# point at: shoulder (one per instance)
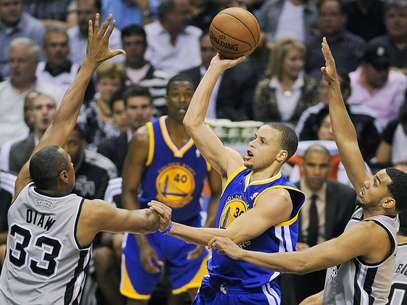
(32, 22)
(383, 39)
(274, 195)
(153, 28)
(263, 84)
(397, 76)
(309, 82)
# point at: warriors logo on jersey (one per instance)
(175, 185)
(234, 207)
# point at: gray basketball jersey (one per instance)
(44, 263)
(398, 292)
(359, 283)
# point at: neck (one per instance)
(38, 133)
(287, 82)
(175, 128)
(374, 211)
(266, 173)
(365, 83)
(173, 33)
(401, 239)
(136, 64)
(23, 86)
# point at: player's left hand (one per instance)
(329, 71)
(196, 252)
(225, 245)
(163, 211)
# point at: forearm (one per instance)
(200, 236)
(199, 104)
(142, 221)
(341, 122)
(293, 262)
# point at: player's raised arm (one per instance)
(221, 158)
(345, 133)
(65, 119)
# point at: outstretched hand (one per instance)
(225, 245)
(163, 211)
(329, 71)
(224, 64)
(98, 40)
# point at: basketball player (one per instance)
(362, 258)
(164, 161)
(398, 291)
(50, 229)
(258, 207)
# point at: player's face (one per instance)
(316, 169)
(139, 111)
(264, 148)
(74, 146)
(179, 96)
(57, 48)
(119, 115)
(293, 63)
(375, 189)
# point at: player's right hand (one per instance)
(98, 49)
(329, 71)
(149, 259)
(163, 211)
(224, 64)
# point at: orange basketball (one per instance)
(234, 32)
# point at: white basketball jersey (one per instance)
(359, 283)
(398, 292)
(44, 263)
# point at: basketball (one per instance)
(234, 32)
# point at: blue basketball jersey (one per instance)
(238, 197)
(173, 176)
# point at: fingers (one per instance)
(90, 30)
(104, 27)
(109, 32)
(97, 21)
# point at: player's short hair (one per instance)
(397, 187)
(135, 91)
(289, 139)
(179, 78)
(134, 30)
(45, 167)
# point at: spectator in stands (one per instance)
(52, 13)
(92, 170)
(87, 9)
(24, 56)
(286, 91)
(377, 87)
(118, 109)
(396, 38)
(233, 92)
(346, 47)
(327, 209)
(173, 45)
(15, 23)
(57, 68)
(43, 111)
(96, 119)
(202, 13)
(308, 126)
(139, 110)
(139, 70)
(365, 18)
(128, 12)
(295, 19)
(393, 147)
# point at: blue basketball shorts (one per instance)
(184, 274)
(214, 292)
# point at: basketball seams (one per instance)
(228, 35)
(254, 39)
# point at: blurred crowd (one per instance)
(43, 43)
